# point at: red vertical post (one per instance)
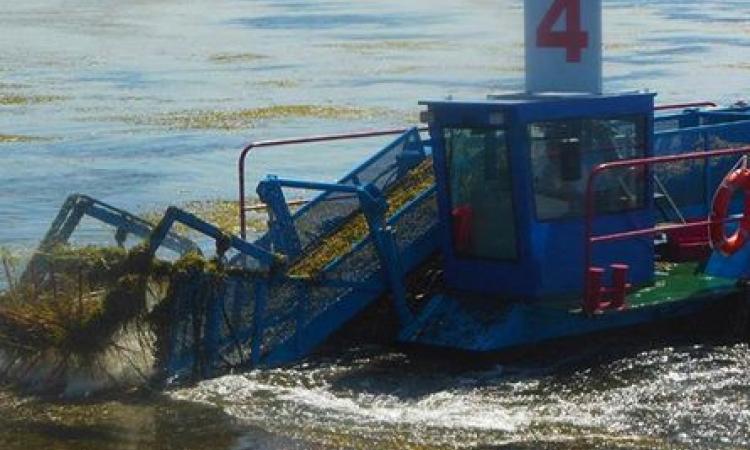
(619, 285)
(593, 290)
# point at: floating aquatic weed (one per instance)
(619, 46)
(15, 138)
(405, 69)
(12, 85)
(738, 66)
(229, 58)
(391, 45)
(244, 118)
(222, 213)
(503, 68)
(25, 100)
(283, 84)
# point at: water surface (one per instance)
(114, 99)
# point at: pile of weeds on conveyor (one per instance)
(353, 230)
(71, 308)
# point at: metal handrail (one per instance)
(685, 106)
(295, 141)
(590, 239)
(349, 136)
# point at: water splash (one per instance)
(666, 398)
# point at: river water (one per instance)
(145, 103)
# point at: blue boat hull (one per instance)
(469, 325)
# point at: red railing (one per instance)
(685, 106)
(296, 141)
(591, 240)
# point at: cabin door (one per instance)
(483, 216)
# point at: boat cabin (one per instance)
(511, 176)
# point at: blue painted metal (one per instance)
(300, 315)
(261, 299)
(694, 130)
(259, 316)
(212, 333)
(507, 320)
(327, 211)
(548, 264)
(278, 319)
(736, 266)
(388, 253)
(413, 145)
(374, 206)
(76, 207)
(281, 225)
(292, 316)
(352, 301)
(175, 215)
(480, 327)
(256, 315)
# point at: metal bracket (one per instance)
(223, 240)
(73, 211)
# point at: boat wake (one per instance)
(667, 398)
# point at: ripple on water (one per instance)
(668, 398)
(327, 21)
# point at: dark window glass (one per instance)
(563, 154)
(481, 193)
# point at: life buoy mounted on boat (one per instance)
(729, 245)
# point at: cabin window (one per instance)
(563, 154)
(483, 218)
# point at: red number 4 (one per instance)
(573, 39)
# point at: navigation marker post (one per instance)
(563, 46)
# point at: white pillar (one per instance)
(563, 46)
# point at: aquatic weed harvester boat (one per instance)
(507, 222)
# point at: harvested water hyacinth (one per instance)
(74, 310)
(71, 308)
(100, 314)
(353, 230)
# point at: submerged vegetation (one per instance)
(244, 118)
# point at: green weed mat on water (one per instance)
(27, 100)
(241, 119)
(222, 213)
(16, 138)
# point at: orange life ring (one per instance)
(729, 245)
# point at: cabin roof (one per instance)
(513, 99)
